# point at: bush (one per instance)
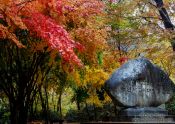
(170, 106)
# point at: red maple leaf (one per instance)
(56, 36)
(123, 60)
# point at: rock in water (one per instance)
(139, 83)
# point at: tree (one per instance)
(166, 19)
(22, 73)
(164, 15)
(37, 17)
(24, 70)
(84, 20)
(44, 20)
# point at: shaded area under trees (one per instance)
(22, 76)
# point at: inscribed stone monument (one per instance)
(139, 83)
(141, 87)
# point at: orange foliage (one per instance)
(81, 19)
(37, 16)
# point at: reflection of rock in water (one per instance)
(139, 83)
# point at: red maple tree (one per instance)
(37, 19)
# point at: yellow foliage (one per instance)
(93, 99)
(95, 77)
(91, 78)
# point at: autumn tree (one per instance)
(24, 66)
(21, 77)
(139, 26)
(89, 29)
(38, 17)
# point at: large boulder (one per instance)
(139, 83)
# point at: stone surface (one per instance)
(146, 114)
(144, 111)
(139, 83)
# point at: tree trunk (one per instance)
(13, 115)
(164, 15)
(95, 112)
(43, 104)
(166, 19)
(59, 107)
(18, 114)
(78, 105)
(46, 103)
(87, 111)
